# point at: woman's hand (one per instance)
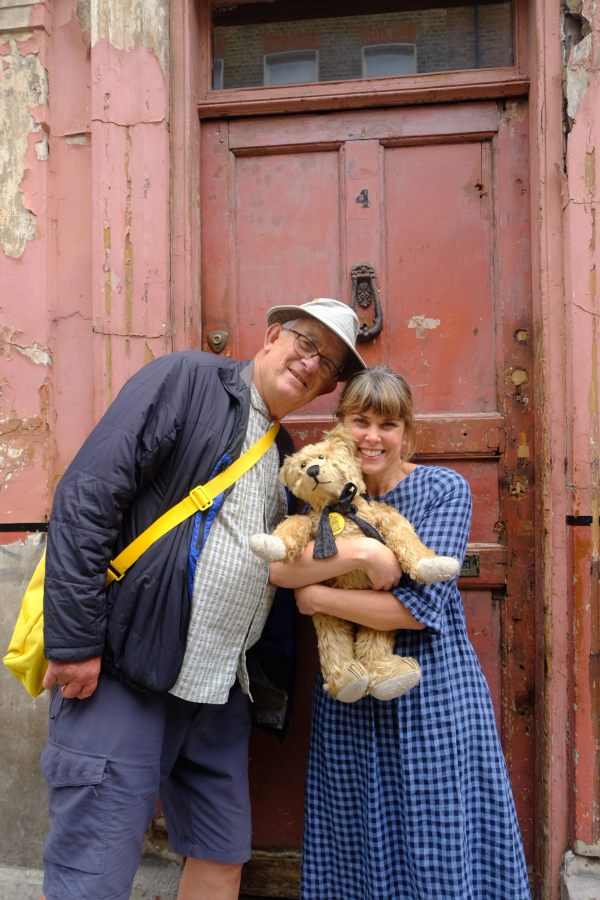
(381, 566)
(307, 598)
(358, 552)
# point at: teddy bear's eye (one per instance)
(321, 456)
(302, 465)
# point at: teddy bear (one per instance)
(354, 660)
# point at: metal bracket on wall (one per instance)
(365, 294)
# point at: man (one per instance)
(147, 694)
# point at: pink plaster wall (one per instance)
(85, 302)
(130, 215)
(582, 263)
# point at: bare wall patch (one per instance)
(24, 86)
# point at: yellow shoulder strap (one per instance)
(199, 498)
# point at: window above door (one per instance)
(263, 51)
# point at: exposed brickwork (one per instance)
(461, 38)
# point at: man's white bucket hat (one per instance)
(336, 316)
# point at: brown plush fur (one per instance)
(354, 661)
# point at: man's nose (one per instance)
(312, 362)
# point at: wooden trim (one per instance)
(474, 84)
(452, 436)
(491, 559)
(433, 87)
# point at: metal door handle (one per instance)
(365, 293)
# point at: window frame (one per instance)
(426, 87)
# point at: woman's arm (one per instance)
(360, 552)
(375, 609)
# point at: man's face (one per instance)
(284, 379)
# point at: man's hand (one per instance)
(76, 679)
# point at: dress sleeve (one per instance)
(121, 455)
(444, 527)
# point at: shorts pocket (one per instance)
(77, 801)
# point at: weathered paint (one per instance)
(24, 86)
(581, 261)
(87, 259)
(130, 227)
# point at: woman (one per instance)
(407, 798)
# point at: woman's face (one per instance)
(380, 442)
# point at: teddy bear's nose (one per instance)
(313, 471)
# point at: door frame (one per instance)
(539, 54)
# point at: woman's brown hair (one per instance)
(384, 392)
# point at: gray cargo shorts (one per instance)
(106, 761)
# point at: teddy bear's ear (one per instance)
(341, 433)
(284, 471)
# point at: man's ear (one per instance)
(272, 333)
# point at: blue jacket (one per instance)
(173, 425)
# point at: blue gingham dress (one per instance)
(410, 798)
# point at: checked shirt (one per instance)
(232, 595)
(409, 799)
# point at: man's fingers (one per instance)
(49, 681)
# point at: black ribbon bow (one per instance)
(324, 540)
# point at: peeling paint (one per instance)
(128, 248)
(523, 448)
(41, 148)
(77, 138)
(577, 84)
(107, 272)
(8, 346)
(24, 86)
(590, 171)
(422, 325)
(139, 23)
(17, 444)
(84, 15)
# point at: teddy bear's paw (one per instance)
(350, 685)
(268, 547)
(437, 568)
(395, 678)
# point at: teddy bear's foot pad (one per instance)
(387, 688)
(437, 568)
(351, 684)
(268, 547)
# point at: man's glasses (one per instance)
(305, 348)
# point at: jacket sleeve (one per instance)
(121, 455)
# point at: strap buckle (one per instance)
(201, 498)
(114, 573)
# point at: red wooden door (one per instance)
(435, 200)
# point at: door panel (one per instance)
(439, 247)
(435, 200)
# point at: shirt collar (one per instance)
(257, 403)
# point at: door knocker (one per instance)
(365, 294)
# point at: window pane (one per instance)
(389, 59)
(250, 36)
(291, 68)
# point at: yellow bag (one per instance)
(25, 656)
